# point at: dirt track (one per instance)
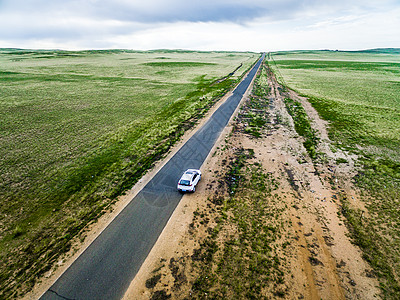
(323, 264)
(331, 264)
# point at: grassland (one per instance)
(79, 128)
(359, 94)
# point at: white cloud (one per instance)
(256, 25)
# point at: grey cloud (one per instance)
(205, 11)
(153, 11)
(98, 19)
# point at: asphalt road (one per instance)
(107, 267)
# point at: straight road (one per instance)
(107, 267)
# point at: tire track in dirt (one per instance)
(314, 259)
(304, 254)
(338, 268)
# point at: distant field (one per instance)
(360, 91)
(79, 128)
(359, 94)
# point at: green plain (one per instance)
(359, 94)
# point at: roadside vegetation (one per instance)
(359, 94)
(254, 113)
(244, 254)
(302, 126)
(80, 128)
(241, 257)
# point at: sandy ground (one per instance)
(324, 263)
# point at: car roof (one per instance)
(187, 176)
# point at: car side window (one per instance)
(194, 177)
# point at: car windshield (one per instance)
(184, 182)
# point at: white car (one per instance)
(188, 181)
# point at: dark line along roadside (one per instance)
(106, 268)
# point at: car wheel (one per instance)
(194, 189)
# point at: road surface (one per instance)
(107, 267)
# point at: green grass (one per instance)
(255, 118)
(80, 128)
(359, 94)
(302, 126)
(344, 85)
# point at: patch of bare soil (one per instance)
(321, 261)
(338, 270)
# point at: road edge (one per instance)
(141, 275)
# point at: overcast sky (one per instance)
(255, 25)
